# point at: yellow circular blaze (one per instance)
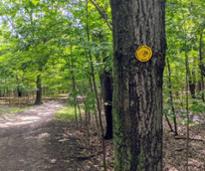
(143, 53)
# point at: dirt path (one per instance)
(28, 120)
(34, 141)
(24, 139)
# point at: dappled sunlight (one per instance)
(42, 136)
(19, 121)
(30, 118)
(36, 114)
(24, 136)
(11, 124)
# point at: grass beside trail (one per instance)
(66, 113)
(5, 110)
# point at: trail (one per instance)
(34, 141)
(24, 139)
(30, 119)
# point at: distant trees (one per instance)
(33, 36)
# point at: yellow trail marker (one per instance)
(143, 53)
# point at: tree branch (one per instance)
(102, 13)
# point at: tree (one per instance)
(137, 98)
(107, 89)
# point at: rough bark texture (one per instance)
(38, 100)
(137, 98)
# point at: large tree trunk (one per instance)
(137, 97)
(106, 79)
(38, 100)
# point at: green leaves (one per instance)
(35, 2)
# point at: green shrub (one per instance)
(66, 114)
(198, 106)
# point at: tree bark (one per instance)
(38, 100)
(106, 79)
(201, 64)
(19, 92)
(192, 83)
(18, 89)
(137, 97)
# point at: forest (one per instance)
(102, 85)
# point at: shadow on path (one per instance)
(34, 141)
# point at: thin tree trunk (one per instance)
(191, 84)
(171, 98)
(168, 122)
(192, 88)
(106, 83)
(187, 109)
(80, 113)
(92, 73)
(74, 88)
(87, 125)
(200, 65)
(95, 111)
(137, 96)
(74, 97)
(99, 110)
(38, 100)
(19, 92)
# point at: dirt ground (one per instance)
(175, 150)
(34, 141)
(24, 139)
